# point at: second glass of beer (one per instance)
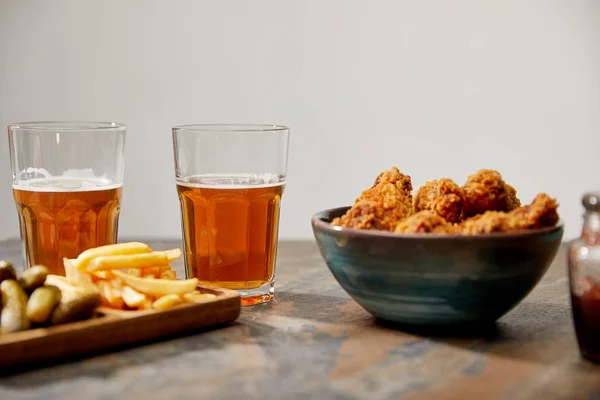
(67, 182)
(230, 179)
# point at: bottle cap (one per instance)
(591, 201)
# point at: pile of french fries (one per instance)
(129, 276)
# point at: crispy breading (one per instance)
(485, 204)
(542, 212)
(443, 197)
(425, 221)
(488, 222)
(381, 206)
(486, 191)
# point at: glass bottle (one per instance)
(584, 278)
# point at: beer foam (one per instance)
(229, 181)
(65, 184)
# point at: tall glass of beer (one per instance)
(230, 179)
(67, 180)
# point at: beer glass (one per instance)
(67, 181)
(230, 179)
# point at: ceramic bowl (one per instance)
(433, 279)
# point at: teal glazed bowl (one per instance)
(435, 279)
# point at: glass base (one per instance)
(260, 295)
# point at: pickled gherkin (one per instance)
(41, 303)
(7, 271)
(76, 309)
(32, 278)
(14, 302)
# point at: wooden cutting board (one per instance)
(115, 328)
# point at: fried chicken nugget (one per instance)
(542, 212)
(425, 221)
(381, 206)
(443, 197)
(488, 222)
(486, 191)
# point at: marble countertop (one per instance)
(315, 342)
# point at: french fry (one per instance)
(106, 275)
(128, 276)
(57, 278)
(168, 274)
(110, 296)
(112, 249)
(104, 292)
(133, 298)
(67, 290)
(197, 297)
(164, 268)
(116, 283)
(146, 304)
(158, 287)
(166, 302)
(118, 297)
(172, 254)
(135, 271)
(62, 283)
(153, 271)
(127, 261)
(77, 278)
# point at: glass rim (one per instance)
(52, 126)
(231, 128)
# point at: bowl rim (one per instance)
(318, 220)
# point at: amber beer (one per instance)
(63, 217)
(230, 232)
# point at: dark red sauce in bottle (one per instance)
(586, 317)
(584, 278)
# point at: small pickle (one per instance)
(32, 278)
(14, 301)
(7, 271)
(76, 309)
(41, 303)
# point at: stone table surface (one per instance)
(315, 342)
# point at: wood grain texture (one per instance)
(315, 342)
(115, 329)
